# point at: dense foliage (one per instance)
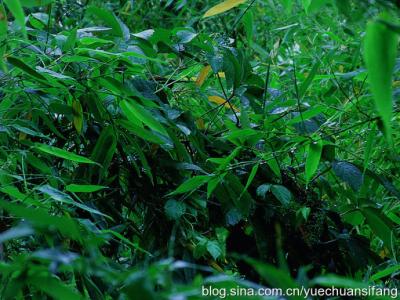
(148, 148)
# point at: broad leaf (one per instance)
(282, 194)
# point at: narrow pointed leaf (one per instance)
(136, 112)
(223, 7)
(61, 153)
(16, 9)
(380, 49)
(313, 158)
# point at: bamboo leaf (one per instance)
(16, 9)
(35, 3)
(221, 101)
(203, 75)
(24, 67)
(191, 184)
(313, 158)
(84, 188)
(78, 115)
(380, 49)
(61, 153)
(136, 112)
(223, 7)
(380, 225)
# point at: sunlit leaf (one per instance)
(221, 101)
(223, 7)
(203, 75)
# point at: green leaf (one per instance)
(349, 173)
(142, 132)
(15, 233)
(24, 67)
(41, 218)
(3, 35)
(223, 7)
(250, 179)
(273, 164)
(125, 240)
(214, 249)
(71, 40)
(305, 85)
(315, 5)
(380, 225)
(369, 146)
(337, 281)
(262, 190)
(61, 153)
(66, 199)
(52, 73)
(306, 4)
(227, 160)
(54, 288)
(380, 49)
(34, 3)
(84, 188)
(315, 111)
(191, 184)
(313, 158)
(212, 185)
(384, 273)
(77, 112)
(174, 209)
(16, 9)
(136, 112)
(282, 194)
(108, 18)
(287, 4)
(104, 151)
(275, 277)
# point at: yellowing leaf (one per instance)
(23, 135)
(78, 115)
(396, 84)
(200, 124)
(203, 75)
(223, 7)
(221, 101)
(384, 253)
